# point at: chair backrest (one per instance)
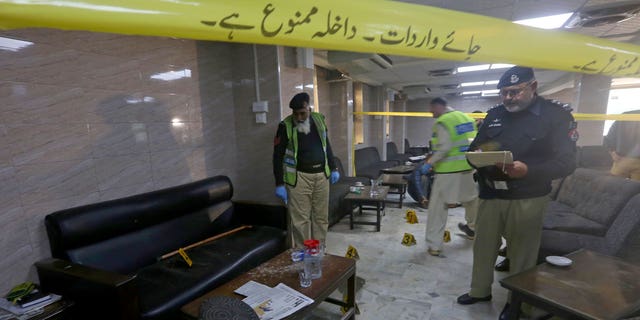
(596, 195)
(595, 157)
(366, 156)
(407, 146)
(392, 150)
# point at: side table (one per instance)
(59, 310)
(595, 286)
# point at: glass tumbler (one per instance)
(305, 278)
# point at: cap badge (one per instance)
(514, 78)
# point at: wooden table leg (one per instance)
(514, 308)
(351, 295)
(378, 215)
(351, 215)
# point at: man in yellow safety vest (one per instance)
(302, 166)
(452, 135)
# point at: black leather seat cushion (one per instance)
(170, 283)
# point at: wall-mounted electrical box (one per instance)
(261, 106)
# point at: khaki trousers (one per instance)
(308, 208)
(448, 189)
(520, 222)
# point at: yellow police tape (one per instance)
(577, 116)
(358, 25)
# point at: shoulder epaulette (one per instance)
(567, 107)
(497, 105)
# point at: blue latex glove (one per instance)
(335, 176)
(425, 169)
(281, 192)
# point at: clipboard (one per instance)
(489, 158)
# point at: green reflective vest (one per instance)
(462, 130)
(291, 153)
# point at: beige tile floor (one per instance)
(404, 282)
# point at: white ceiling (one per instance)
(411, 75)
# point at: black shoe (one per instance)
(503, 266)
(467, 231)
(467, 299)
(505, 312)
(503, 252)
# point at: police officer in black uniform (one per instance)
(541, 135)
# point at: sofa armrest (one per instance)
(114, 295)
(264, 214)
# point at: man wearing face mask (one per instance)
(303, 165)
(541, 135)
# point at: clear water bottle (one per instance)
(313, 258)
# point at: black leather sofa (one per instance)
(368, 163)
(105, 255)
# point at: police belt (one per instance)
(310, 168)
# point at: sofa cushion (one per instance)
(170, 283)
(595, 195)
(561, 217)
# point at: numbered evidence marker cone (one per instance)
(408, 239)
(447, 236)
(352, 253)
(412, 218)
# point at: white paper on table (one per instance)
(252, 287)
(489, 158)
(276, 303)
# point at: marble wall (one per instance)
(89, 117)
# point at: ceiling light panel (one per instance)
(548, 22)
(474, 68)
(472, 84)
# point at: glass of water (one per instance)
(374, 188)
(305, 278)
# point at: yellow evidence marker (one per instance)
(412, 218)
(352, 252)
(408, 239)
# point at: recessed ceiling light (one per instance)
(471, 92)
(490, 93)
(474, 68)
(13, 44)
(472, 84)
(625, 82)
(501, 66)
(490, 82)
(549, 22)
(172, 75)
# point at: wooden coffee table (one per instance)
(364, 201)
(595, 286)
(397, 185)
(336, 271)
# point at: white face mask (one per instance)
(304, 127)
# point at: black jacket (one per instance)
(543, 137)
